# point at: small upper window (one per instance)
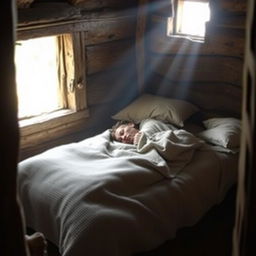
(190, 18)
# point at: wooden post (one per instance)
(245, 226)
(12, 236)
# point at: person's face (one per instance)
(125, 133)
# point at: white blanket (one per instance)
(98, 197)
(176, 147)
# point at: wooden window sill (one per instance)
(53, 126)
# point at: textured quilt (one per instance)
(99, 197)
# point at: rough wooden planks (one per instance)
(215, 65)
(189, 68)
(109, 56)
(96, 4)
(210, 97)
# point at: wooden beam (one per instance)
(227, 41)
(211, 97)
(98, 27)
(227, 9)
(111, 85)
(220, 40)
(12, 231)
(110, 29)
(189, 68)
(112, 55)
(45, 12)
(162, 8)
(232, 6)
(52, 129)
(96, 4)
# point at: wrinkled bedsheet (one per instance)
(176, 146)
(99, 197)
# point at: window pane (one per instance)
(193, 18)
(36, 76)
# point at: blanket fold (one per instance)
(102, 197)
(176, 147)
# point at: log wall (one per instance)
(175, 67)
(109, 37)
(214, 66)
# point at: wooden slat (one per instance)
(211, 97)
(199, 68)
(52, 129)
(110, 29)
(41, 13)
(41, 147)
(226, 11)
(104, 87)
(163, 8)
(24, 3)
(77, 133)
(218, 45)
(99, 27)
(52, 120)
(231, 6)
(229, 21)
(109, 56)
(225, 41)
(95, 4)
(47, 12)
(98, 121)
(110, 86)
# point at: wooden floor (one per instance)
(210, 237)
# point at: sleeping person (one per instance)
(130, 132)
(159, 140)
(126, 132)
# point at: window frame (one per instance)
(45, 128)
(174, 21)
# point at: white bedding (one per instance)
(98, 197)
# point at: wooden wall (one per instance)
(109, 32)
(208, 74)
(186, 69)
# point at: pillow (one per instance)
(156, 107)
(223, 132)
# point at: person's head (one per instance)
(124, 131)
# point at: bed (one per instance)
(102, 197)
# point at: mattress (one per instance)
(99, 197)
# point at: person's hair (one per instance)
(119, 123)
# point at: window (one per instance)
(50, 78)
(190, 19)
(37, 79)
